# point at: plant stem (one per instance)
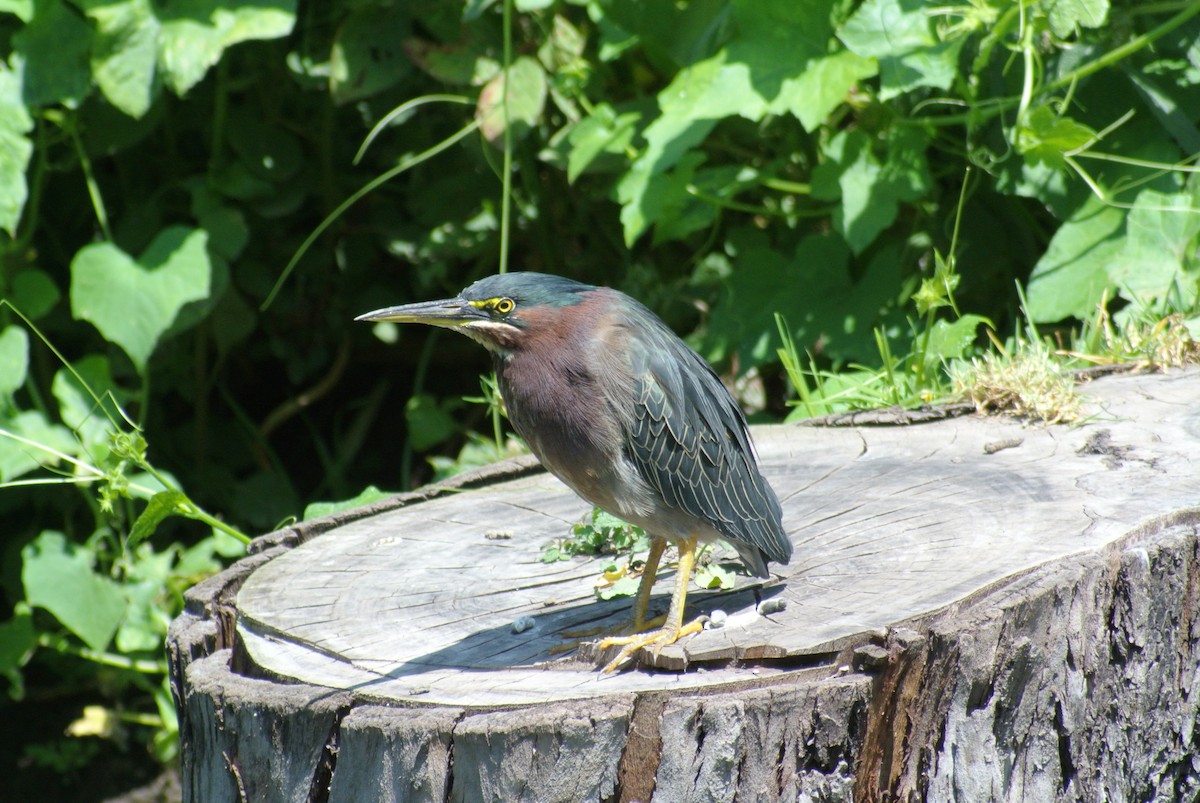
(1001, 105)
(506, 178)
(59, 644)
(93, 188)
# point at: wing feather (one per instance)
(690, 442)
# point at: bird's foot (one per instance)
(655, 638)
(578, 638)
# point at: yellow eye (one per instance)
(504, 306)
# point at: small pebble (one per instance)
(716, 620)
(770, 606)
(522, 624)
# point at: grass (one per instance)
(1031, 376)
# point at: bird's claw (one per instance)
(655, 638)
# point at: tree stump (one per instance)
(976, 610)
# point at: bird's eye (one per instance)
(504, 306)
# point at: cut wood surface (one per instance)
(955, 585)
(426, 602)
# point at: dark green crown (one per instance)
(529, 289)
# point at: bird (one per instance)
(613, 403)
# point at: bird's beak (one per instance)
(451, 313)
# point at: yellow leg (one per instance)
(640, 604)
(649, 571)
(673, 628)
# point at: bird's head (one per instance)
(499, 311)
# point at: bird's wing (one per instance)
(690, 442)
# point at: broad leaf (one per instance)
(603, 131)
(1067, 16)
(765, 282)
(161, 505)
(1044, 136)
(147, 617)
(133, 302)
(1071, 277)
(34, 293)
(60, 577)
(365, 497)
(526, 99)
(79, 411)
(1160, 247)
(15, 150)
(871, 191)
(780, 63)
(902, 36)
(949, 340)
(51, 55)
(125, 53)
(196, 32)
(17, 640)
(17, 458)
(14, 359)
(367, 53)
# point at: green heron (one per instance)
(620, 409)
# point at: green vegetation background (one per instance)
(834, 200)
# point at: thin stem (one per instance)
(401, 109)
(1001, 105)
(93, 187)
(59, 644)
(506, 177)
(371, 185)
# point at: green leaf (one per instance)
(949, 340)
(667, 200)
(14, 359)
(1067, 16)
(603, 131)
(367, 54)
(764, 282)
(902, 36)
(195, 33)
(79, 411)
(34, 293)
(779, 64)
(22, 8)
(133, 302)
(625, 587)
(125, 53)
(714, 575)
(51, 55)
(59, 577)
(1160, 247)
(365, 497)
(682, 33)
(18, 458)
(1044, 136)
(428, 422)
(17, 640)
(871, 191)
(161, 505)
(15, 149)
(526, 99)
(1071, 277)
(147, 614)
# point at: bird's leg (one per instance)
(673, 628)
(640, 603)
(649, 572)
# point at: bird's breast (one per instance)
(562, 413)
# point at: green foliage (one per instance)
(600, 534)
(865, 182)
